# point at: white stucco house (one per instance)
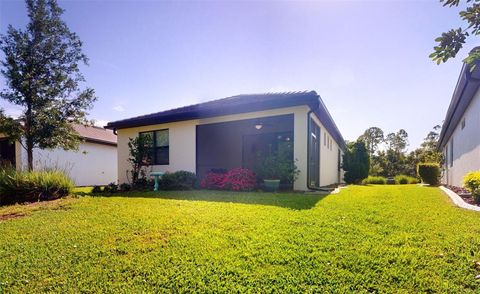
(229, 133)
(95, 162)
(460, 136)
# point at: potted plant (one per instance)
(275, 168)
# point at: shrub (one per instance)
(374, 180)
(429, 173)
(237, 179)
(471, 181)
(213, 180)
(111, 188)
(33, 186)
(125, 187)
(404, 179)
(356, 163)
(97, 189)
(179, 180)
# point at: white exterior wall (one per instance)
(329, 174)
(466, 146)
(182, 140)
(92, 164)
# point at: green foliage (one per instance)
(179, 180)
(139, 156)
(196, 241)
(372, 137)
(371, 180)
(429, 173)
(277, 166)
(356, 163)
(41, 68)
(471, 181)
(450, 42)
(32, 186)
(97, 189)
(111, 188)
(404, 179)
(124, 187)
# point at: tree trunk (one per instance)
(30, 156)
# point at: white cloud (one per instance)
(100, 123)
(119, 108)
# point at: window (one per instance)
(159, 145)
(463, 123)
(451, 152)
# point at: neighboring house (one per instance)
(94, 163)
(231, 132)
(460, 137)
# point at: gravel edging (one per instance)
(458, 201)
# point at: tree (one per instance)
(356, 162)
(397, 141)
(450, 42)
(140, 154)
(372, 137)
(42, 75)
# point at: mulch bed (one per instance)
(11, 215)
(462, 192)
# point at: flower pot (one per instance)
(271, 185)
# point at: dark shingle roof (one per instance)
(234, 105)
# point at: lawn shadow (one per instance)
(291, 200)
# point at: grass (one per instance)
(366, 239)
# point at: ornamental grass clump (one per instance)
(404, 179)
(372, 180)
(32, 186)
(471, 182)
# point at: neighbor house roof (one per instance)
(465, 90)
(95, 134)
(234, 105)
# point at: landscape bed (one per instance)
(365, 239)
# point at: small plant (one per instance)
(125, 187)
(372, 180)
(179, 180)
(97, 189)
(429, 173)
(277, 166)
(404, 179)
(471, 182)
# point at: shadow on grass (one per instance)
(291, 200)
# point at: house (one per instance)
(231, 132)
(94, 163)
(460, 137)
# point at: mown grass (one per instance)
(395, 239)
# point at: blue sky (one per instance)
(368, 60)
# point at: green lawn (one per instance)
(365, 239)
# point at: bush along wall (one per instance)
(471, 182)
(32, 186)
(429, 173)
(237, 179)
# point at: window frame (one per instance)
(155, 147)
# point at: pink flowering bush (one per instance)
(237, 179)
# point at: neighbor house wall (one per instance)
(182, 140)
(92, 164)
(329, 173)
(466, 146)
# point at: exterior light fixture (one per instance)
(258, 126)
